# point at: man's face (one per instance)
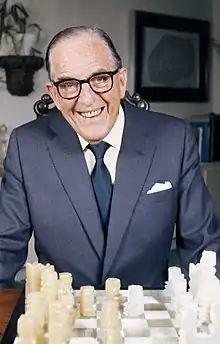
(91, 115)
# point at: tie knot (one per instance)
(99, 149)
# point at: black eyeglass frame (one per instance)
(86, 81)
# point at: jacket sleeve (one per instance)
(15, 227)
(198, 228)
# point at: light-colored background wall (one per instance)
(115, 17)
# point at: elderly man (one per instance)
(101, 183)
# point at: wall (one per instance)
(115, 17)
(216, 59)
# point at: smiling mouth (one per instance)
(91, 114)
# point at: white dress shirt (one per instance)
(114, 138)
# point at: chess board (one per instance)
(155, 326)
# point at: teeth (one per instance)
(90, 114)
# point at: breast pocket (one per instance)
(158, 197)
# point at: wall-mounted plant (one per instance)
(18, 39)
(18, 36)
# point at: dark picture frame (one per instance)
(171, 58)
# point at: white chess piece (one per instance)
(135, 305)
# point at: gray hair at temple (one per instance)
(78, 30)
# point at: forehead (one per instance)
(80, 56)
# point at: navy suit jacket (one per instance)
(46, 189)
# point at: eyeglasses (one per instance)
(100, 83)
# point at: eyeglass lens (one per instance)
(98, 83)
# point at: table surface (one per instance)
(8, 300)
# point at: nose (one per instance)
(87, 96)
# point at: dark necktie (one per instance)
(101, 181)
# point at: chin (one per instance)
(94, 140)
(98, 136)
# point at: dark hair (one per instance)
(76, 30)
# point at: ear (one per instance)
(54, 95)
(123, 81)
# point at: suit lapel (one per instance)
(135, 158)
(69, 162)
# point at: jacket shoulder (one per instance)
(35, 128)
(157, 121)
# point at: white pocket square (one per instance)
(157, 187)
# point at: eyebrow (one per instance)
(64, 78)
(67, 77)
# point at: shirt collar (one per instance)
(114, 137)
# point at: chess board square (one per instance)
(135, 340)
(85, 323)
(152, 315)
(152, 323)
(162, 332)
(154, 307)
(133, 322)
(135, 327)
(84, 333)
(166, 340)
(84, 341)
(150, 300)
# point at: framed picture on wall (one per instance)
(171, 58)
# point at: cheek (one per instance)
(67, 106)
(113, 98)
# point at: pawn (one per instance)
(135, 304)
(87, 301)
(112, 287)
